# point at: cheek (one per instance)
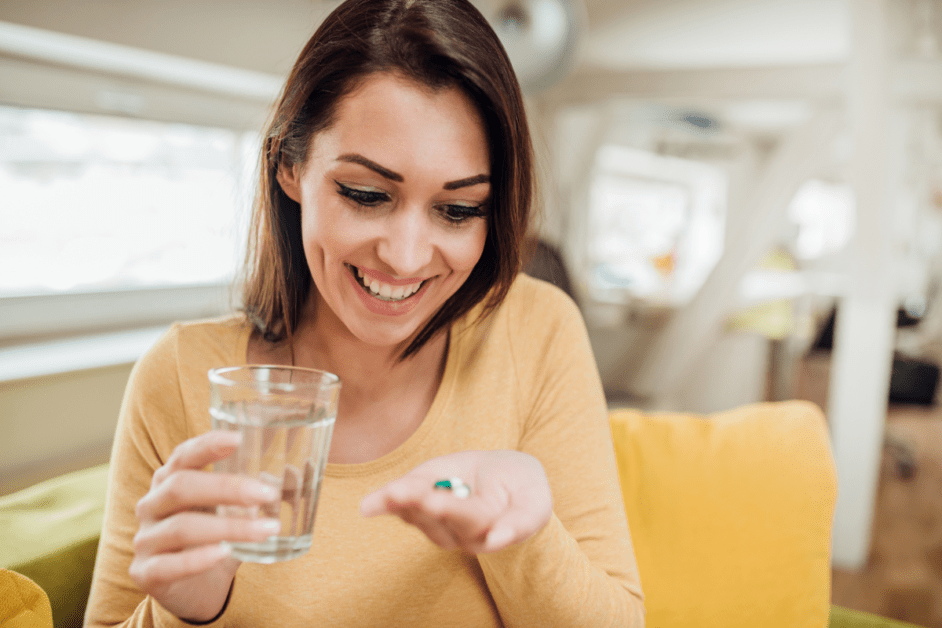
(468, 252)
(324, 229)
(311, 235)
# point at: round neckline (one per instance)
(413, 444)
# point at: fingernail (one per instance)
(228, 440)
(268, 526)
(221, 550)
(261, 492)
(499, 536)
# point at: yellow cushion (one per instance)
(730, 514)
(22, 603)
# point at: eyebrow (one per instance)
(372, 165)
(386, 173)
(463, 183)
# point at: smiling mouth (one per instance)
(383, 291)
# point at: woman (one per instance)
(394, 196)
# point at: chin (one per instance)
(374, 336)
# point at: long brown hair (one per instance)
(440, 44)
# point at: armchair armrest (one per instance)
(50, 535)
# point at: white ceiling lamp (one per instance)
(540, 36)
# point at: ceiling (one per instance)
(619, 36)
(715, 33)
(266, 36)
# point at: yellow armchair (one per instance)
(23, 604)
(730, 514)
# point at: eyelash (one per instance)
(362, 197)
(454, 214)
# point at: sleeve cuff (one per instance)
(165, 619)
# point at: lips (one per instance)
(386, 297)
(385, 291)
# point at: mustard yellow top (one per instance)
(523, 379)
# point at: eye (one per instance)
(458, 214)
(366, 198)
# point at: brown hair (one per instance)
(439, 44)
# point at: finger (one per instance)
(189, 529)
(374, 504)
(501, 536)
(188, 490)
(402, 492)
(204, 449)
(198, 452)
(468, 520)
(516, 525)
(448, 520)
(436, 531)
(161, 569)
(465, 522)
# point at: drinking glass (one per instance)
(286, 418)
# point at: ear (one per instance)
(289, 180)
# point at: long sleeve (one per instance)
(522, 379)
(151, 423)
(580, 570)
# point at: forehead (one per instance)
(394, 120)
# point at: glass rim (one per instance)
(328, 380)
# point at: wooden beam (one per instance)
(910, 81)
(821, 83)
(575, 168)
(24, 83)
(26, 42)
(866, 322)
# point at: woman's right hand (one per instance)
(178, 558)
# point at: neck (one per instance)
(322, 341)
(382, 400)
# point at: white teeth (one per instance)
(388, 292)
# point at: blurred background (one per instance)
(743, 196)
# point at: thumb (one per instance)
(374, 504)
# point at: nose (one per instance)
(407, 246)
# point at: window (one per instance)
(120, 208)
(825, 216)
(656, 226)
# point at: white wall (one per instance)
(51, 425)
(54, 424)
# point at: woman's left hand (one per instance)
(510, 500)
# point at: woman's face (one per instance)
(393, 203)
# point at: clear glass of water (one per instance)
(286, 418)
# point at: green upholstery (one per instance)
(50, 535)
(846, 618)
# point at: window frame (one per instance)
(47, 70)
(25, 318)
